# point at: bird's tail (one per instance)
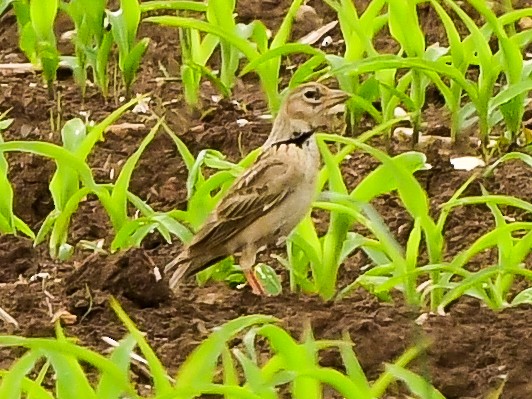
(186, 265)
(181, 265)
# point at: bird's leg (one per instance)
(247, 261)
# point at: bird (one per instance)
(270, 198)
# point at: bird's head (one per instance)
(305, 110)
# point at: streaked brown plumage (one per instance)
(271, 197)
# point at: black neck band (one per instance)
(298, 138)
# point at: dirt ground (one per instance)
(473, 347)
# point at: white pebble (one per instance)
(467, 163)
(242, 122)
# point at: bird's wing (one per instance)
(252, 195)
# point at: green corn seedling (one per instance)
(124, 25)
(398, 268)
(196, 51)
(518, 80)
(491, 107)
(37, 38)
(490, 66)
(92, 41)
(432, 65)
(332, 249)
(358, 33)
(264, 58)
(492, 284)
(382, 83)
(68, 187)
(221, 13)
(412, 41)
(133, 231)
(9, 222)
(73, 181)
(292, 364)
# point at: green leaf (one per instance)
(229, 370)
(173, 5)
(382, 180)
(132, 61)
(404, 26)
(101, 63)
(276, 53)
(132, 233)
(241, 44)
(62, 349)
(42, 14)
(388, 61)
(120, 189)
(269, 279)
(96, 133)
(28, 43)
(523, 297)
(295, 357)
(198, 369)
(160, 379)
(254, 378)
(121, 357)
(11, 383)
(71, 381)
(353, 368)
(131, 13)
(415, 383)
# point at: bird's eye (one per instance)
(312, 94)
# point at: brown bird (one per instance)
(273, 196)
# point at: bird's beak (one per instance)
(335, 102)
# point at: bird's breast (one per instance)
(305, 158)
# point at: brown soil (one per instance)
(472, 346)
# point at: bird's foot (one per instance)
(254, 283)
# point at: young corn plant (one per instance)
(490, 106)
(434, 66)
(195, 54)
(381, 82)
(263, 58)
(492, 284)
(290, 364)
(322, 256)
(73, 181)
(358, 32)
(438, 283)
(124, 26)
(92, 41)
(196, 51)
(9, 222)
(412, 40)
(36, 36)
(395, 266)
